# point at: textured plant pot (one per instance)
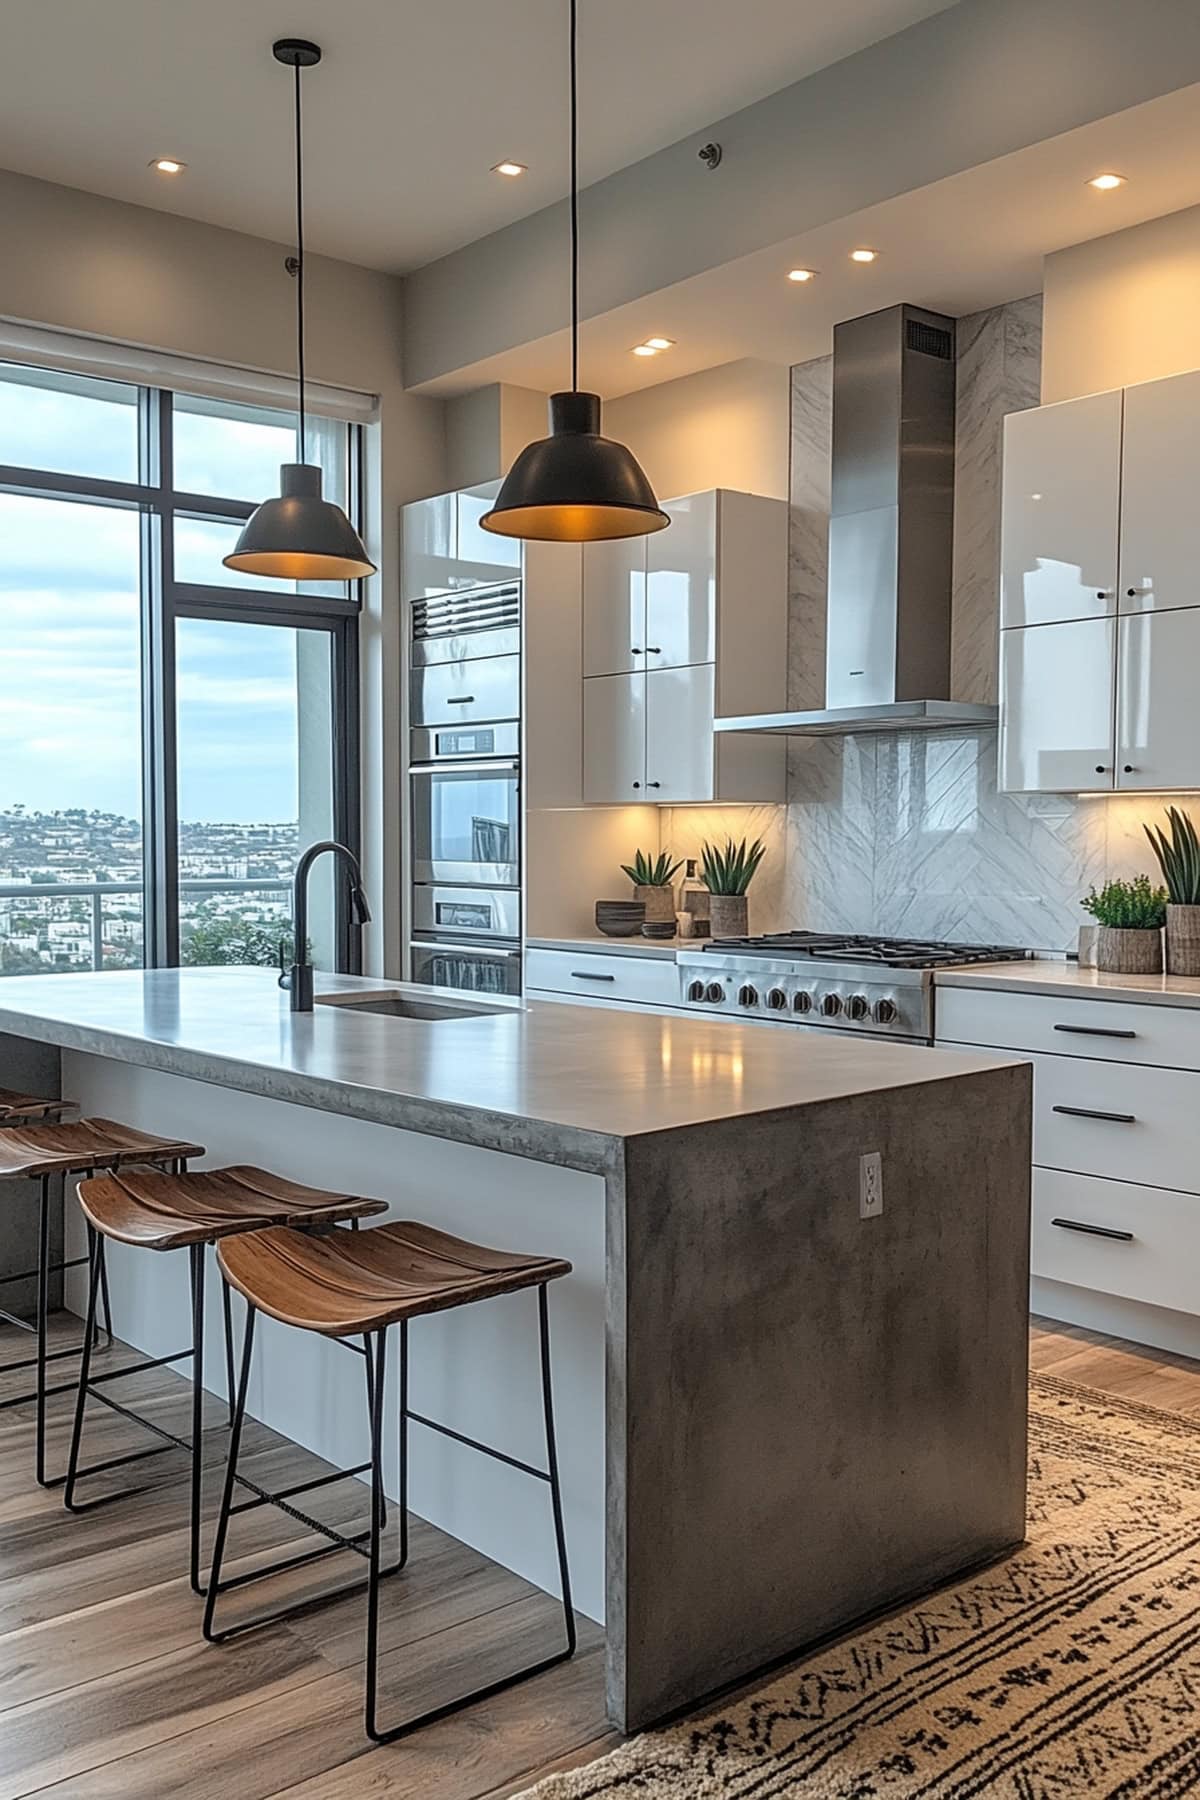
(1121, 952)
(729, 915)
(659, 903)
(1183, 940)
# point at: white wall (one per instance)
(1122, 308)
(85, 264)
(724, 427)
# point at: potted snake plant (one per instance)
(727, 874)
(1179, 859)
(652, 879)
(1131, 915)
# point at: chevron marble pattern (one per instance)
(907, 832)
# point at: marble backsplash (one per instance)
(906, 832)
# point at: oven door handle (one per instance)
(452, 947)
(467, 764)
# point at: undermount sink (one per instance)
(391, 1005)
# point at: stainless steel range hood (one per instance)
(891, 533)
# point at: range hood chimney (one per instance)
(891, 534)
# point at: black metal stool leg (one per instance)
(95, 1281)
(230, 1376)
(403, 1442)
(377, 1497)
(196, 1255)
(551, 1475)
(43, 1307)
(235, 1441)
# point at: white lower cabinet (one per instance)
(1116, 1179)
(591, 977)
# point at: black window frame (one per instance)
(164, 601)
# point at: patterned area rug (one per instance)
(1072, 1668)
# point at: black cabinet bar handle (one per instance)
(1124, 1237)
(582, 975)
(459, 699)
(1087, 1112)
(1095, 1031)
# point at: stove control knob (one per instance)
(777, 1000)
(714, 992)
(831, 1005)
(858, 1006)
(886, 1012)
(802, 1002)
(748, 996)
(695, 990)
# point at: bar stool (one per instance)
(154, 1210)
(18, 1108)
(40, 1152)
(344, 1286)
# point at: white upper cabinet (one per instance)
(1160, 488)
(1056, 707)
(614, 607)
(1062, 490)
(443, 547)
(614, 740)
(681, 585)
(1158, 720)
(679, 734)
(679, 628)
(483, 557)
(428, 540)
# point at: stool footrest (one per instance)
(460, 1437)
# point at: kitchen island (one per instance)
(782, 1405)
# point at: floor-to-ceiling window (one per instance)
(171, 734)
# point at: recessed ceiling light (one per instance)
(509, 168)
(1106, 181)
(644, 350)
(168, 165)
(863, 255)
(802, 274)
(660, 343)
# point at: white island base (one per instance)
(475, 1369)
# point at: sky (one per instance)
(69, 620)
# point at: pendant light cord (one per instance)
(300, 259)
(574, 202)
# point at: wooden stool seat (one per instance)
(155, 1210)
(347, 1284)
(81, 1145)
(15, 1105)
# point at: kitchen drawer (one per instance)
(1148, 1137)
(637, 1006)
(575, 972)
(1158, 1264)
(1109, 1030)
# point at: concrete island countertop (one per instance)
(550, 1081)
(1061, 978)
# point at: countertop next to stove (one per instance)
(663, 949)
(1059, 979)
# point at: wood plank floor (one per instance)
(107, 1690)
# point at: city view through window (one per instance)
(254, 702)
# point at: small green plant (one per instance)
(1128, 905)
(1178, 858)
(731, 870)
(658, 871)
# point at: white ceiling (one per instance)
(414, 101)
(956, 246)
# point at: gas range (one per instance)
(875, 985)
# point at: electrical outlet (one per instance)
(870, 1185)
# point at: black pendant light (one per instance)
(575, 486)
(299, 536)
